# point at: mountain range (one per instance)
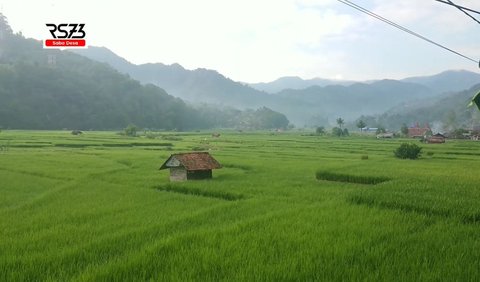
(447, 81)
(322, 101)
(297, 83)
(97, 89)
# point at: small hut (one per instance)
(190, 166)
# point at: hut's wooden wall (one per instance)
(178, 174)
(199, 174)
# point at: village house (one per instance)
(418, 132)
(190, 166)
(435, 139)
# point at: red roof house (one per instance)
(417, 131)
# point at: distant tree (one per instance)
(404, 129)
(370, 121)
(320, 130)
(361, 124)
(337, 131)
(381, 129)
(459, 133)
(131, 130)
(340, 122)
(4, 26)
(345, 132)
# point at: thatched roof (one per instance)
(192, 161)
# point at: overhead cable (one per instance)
(404, 29)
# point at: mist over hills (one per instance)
(308, 106)
(297, 83)
(96, 89)
(444, 113)
(198, 86)
(447, 81)
(52, 89)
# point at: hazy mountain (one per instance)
(200, 85)
(448, 81)
(53, 89)
(295, 82)
(359, 98)
(303, 106)
(444, 112)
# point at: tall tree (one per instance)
(340, 122)
(5, 28)
(361, 124)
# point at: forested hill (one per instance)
(52, 89)
(445, 113)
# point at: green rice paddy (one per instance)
(284, 207)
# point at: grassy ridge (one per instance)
(198, 192)
(341, 177)
(89, 213)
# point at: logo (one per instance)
(66, 35)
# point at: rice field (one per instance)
(285, 206)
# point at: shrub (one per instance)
(320, 130)
(131, 130)
(364, 157)
(150, 135)
(337, 131)
(430, 154)
(408, 151)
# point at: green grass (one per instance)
(96, 208)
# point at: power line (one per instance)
(448, 2)
(462, 9)
(378, 17)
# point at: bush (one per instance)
(364, 157)
(408, 151)
(430, 154)
(320, 130)
(337, 131)
(131, 130)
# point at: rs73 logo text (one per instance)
(66, 30)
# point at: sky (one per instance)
(262, 40)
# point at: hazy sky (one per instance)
(261, 40)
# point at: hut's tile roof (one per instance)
(194, 161)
